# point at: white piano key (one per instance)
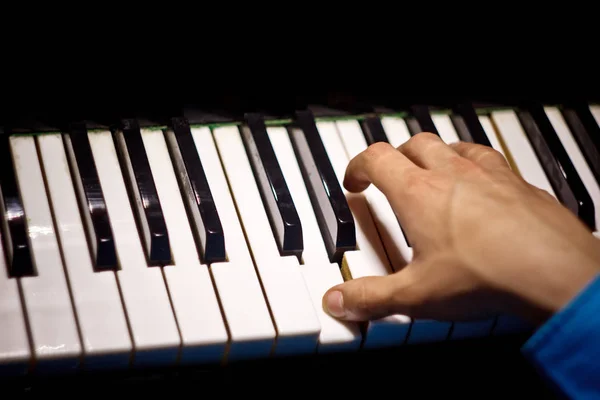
(203, 333)
(396, 130)
(15, 355)
(106, 340)
(319, 273)
(491, 133)
(370, 259)
(296, 320)
(576, 157)
(445, 128)
(517, 144)
(252, 334)
(153, 326)
(52, 322)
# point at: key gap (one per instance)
(127, 320)
(223, 314)
(172, 304)
(28, 328)
(5, 239)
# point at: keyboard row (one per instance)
(149, 246)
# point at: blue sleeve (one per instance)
(566, 349)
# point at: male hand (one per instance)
(485, 241)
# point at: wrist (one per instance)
(558, 287)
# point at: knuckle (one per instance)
(376, 153)
(378, 149)
(458, 163)
(488, 153)
(424, 137)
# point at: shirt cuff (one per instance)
(566, 349)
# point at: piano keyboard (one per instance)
(186, 243)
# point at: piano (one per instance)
(191, 245)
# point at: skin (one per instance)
(485, 241)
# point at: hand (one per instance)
(485, 241)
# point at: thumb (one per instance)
(369, 298)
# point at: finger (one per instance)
(428, 151)
(481, 155)
(380, 164)
(370, 298)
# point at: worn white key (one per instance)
(491, 133)
(203, 333)
(296, 320)
(319, 273)
(370, 258)
(445, 128)
(396, 130)
(15, 355)
(152, 322)
(521, 151)
(54, 334)
(595, 109)
(106, 340)
(251, 329)
(393, 238)
(576, 157)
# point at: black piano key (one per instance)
(142, 189)
(196, 192)
(92, 203)
(276, 196)
(550, 165)
(420, 120)
(373, 130)
(467, 125)
(13, 218)
(586, 132)
(557, 164)
(327, 197)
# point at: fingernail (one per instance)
(334, 304)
